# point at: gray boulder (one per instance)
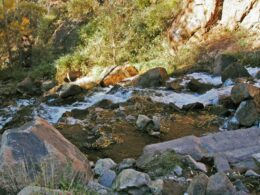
(198, 185)
(107, 178)
(103, 165)
(246, 113)
(130, 178)
(126, 164)
(219, 184)
(243, 91)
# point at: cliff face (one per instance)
(198, 17)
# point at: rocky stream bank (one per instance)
(194, 132)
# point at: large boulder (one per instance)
(237, 147)
(219, 184)
(37, 152)
(234, 71)
(246, 113)
(152, 78)
(33, 190)
(29, 87)
(118, 74)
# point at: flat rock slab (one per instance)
(237, 146)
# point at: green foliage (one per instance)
(79, 9)
(123, 32)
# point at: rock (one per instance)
(194, 164)
(193, 18)
(178, 170)
(156, 186)
(143, 121)
(175, 85)
(240, 186)
(234, 71)
(219, 184)
(231, 124)
(193, 106)
(104, 164)
(257, 158)
(47, 85)
(251, 173)
(162, 164)
(107, 178)
(243, 91)
(41, 147)
(130, 118)
(174, 188)
(195, 86)
(237, 146)
(130, 178)
(118, 74)
(97, 188)
(258, 75)
(33, 190)
(152, 78)
(246, 113)
(234, 11)
(221, 62)
(68, 90)
(198, 185)
(29, 87)
(151, 126)
(221, 163)
(126, 164)
(251, 20)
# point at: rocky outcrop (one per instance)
(197, 17)
(37, 152)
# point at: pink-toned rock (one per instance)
(37, 152)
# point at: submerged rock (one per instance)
(196, 86)
(41, 147)
(152, 78)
